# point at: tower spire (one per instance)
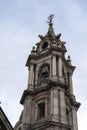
(50, 32)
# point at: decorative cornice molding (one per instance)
(49, 84)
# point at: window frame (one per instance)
(37, 117)
(41, 110)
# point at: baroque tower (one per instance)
(49, 102)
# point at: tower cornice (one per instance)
(49, 84)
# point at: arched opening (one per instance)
(44, 72)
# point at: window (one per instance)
(41, 110)
(45, 45)
(44, 73)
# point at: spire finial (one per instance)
(50, 18)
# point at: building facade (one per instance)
(49, 102)
(4, 122)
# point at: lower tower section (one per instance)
(49, 108)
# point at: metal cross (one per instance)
(50, 18)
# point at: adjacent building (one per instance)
(4, 122)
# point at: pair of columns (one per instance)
(54, 62)
(58, 107)
(54, 72)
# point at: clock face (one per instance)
(44, 73)
(45, 45)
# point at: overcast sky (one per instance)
(21, 21)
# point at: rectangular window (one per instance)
(41, 110)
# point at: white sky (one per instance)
(21, 21)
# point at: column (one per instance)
(60, 67)
(70, 84)
(51, 102)
(36, 111)
(54, 105)
(36, 75)
(31, 74)
(62, 107)
(55, 101)
(26, 118)
(46, 110)
(54, 67)
(74, 119)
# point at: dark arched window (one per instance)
(44, 72)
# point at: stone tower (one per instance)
(49, 102)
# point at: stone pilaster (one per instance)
(54, 105)
(62, 107)
(74, 119)
(36, 111)
(55, 102)
(36, 76)
(31, 76)
(54, 67)
(70, 118)
(51, 102)
(27, 114)
(46, 108)
(70, 84)
(60, 68)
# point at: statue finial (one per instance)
(50, 18)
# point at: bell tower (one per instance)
(49, 102)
